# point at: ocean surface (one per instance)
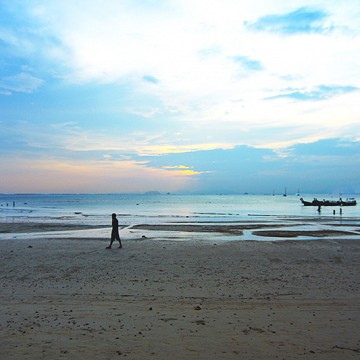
(96, 209)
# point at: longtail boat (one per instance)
(340, 202)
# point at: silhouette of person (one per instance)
(114, 232)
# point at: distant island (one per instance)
(155, 193)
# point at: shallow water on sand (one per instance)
(95, 210)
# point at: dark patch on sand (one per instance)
(10, 228)
(293, 234)
(226, 229)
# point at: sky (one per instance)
(180, 96)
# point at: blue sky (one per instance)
(179, 96)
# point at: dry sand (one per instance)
(153, 299)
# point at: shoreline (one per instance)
(276, 228)
(161, 299)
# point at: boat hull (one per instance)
(318, 203)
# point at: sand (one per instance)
(164, 299)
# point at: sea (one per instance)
(134, 209)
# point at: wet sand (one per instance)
(163, 299)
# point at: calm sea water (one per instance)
(96, 209)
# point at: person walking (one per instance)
(114, 232)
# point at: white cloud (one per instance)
(22, 82)
(188, 47)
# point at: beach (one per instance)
(163, 298)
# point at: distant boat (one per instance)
(285, 194)
(340, 202)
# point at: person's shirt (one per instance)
(115, 224)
